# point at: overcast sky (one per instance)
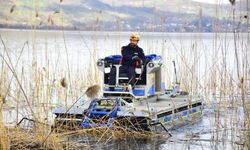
(214, 1)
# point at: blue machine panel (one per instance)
(139, 92)
(151, 90)
(153, 57)
(163, 87)
(184, 113)
(169, 118)
(194, 110)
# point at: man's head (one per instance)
(134, 39)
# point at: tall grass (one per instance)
(33, 89)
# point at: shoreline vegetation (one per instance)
(27, 90)
(59, 28)
(73, 28)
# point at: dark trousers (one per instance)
(129, 70)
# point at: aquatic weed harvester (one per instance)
(146, 107)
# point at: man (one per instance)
(132, 54)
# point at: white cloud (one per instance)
(214, 1)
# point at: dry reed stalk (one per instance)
(4, 139)
(116, 132)
(13, 71)
(218, 76)
(27, 139)
(247, 132)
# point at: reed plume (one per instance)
(93, 91)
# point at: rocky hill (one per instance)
(116, 15)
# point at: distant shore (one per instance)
(71, 29)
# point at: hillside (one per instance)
(116, 15)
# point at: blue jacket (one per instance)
(128, 52)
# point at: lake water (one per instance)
(202, 50)
(202, 61)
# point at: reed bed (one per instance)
(17, 138)
(223, 91)
(33, 87)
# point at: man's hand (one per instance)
(135, 58)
